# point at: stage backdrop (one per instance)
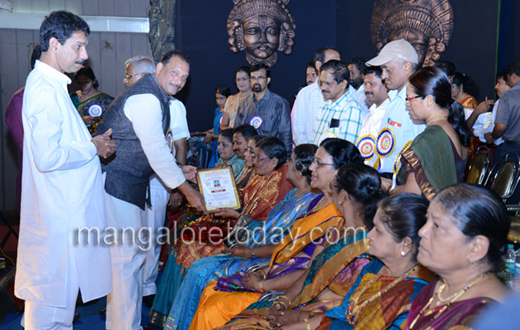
(201, 32)
(472, 47)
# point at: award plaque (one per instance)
(219, 189)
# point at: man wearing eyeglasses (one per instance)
(398, 61)
(267, 112)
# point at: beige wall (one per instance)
(107, 54)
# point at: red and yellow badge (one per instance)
(398, 158)
(385, 142)
(366, 145)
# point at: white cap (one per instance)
(395, 49)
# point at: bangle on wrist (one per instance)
(261, 286)
(252, 254)
(307, 324)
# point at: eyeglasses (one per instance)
(241, 79)
(128, 76)
(256, 159)
(257, 78)
(317, 163)
(408, 99)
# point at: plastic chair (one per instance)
(503, 177)
(479, 167)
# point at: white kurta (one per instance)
(62, 191)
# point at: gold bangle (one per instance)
(261, 285)
(263, 273)
(308, 324)
(281, 303)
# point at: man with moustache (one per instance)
(398, 61)
(341, 116)
(178, 133)
(241, 136)
(310, 100)
(357, 68)
(267, 112)
(62, 185)
(140, 117)
(376, 94)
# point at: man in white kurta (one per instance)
(62, 187)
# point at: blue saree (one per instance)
(180, 296)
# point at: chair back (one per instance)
(503, 178)
(479, 166)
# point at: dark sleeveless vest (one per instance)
(128, 172)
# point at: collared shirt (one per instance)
(361, 99)
(306, 108)
(342, 119)
(401, 126)
(372, 123)
(508, 113)
(480, 128)
(148, 129)
(270, 116)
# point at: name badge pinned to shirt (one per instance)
(256, 122)
(385, 142)
(366, 145)
(95, 110)
(169, 140)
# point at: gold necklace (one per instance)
(455, 296)
(354, 309)
(436, 120)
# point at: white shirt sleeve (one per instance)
(144, 111)
(179, 124)
(298, 120)
(45, 122)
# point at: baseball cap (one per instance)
(395, 49)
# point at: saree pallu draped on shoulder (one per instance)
(217, 307)
(430, 157)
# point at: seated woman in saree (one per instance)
(463, 242)
(258, 198)
(258, 240)
(227, 156)
(437, 157)
(295, 252)
(381, 296)
(242, 136)
(90, 102)
(356, 194)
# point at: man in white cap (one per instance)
(398, 60)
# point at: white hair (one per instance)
(141, 64)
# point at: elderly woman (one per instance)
(356, 194)
(266, 189)
(258, 239)
(462, 241)
(293, 255)
(388, 284)
(437, 157)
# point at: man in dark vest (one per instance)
(140, 119)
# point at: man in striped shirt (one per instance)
(341, 116)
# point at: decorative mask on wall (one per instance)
(426, 24)
(261, 28)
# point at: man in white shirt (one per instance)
(310, 100)
(398, 61)
(140, 117)
(357, 68)
(62, 186)
(376, 94)
(341, 116)
(135, 68)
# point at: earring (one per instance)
(471, 261)
(403, 253)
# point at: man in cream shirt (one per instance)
(62, 185)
